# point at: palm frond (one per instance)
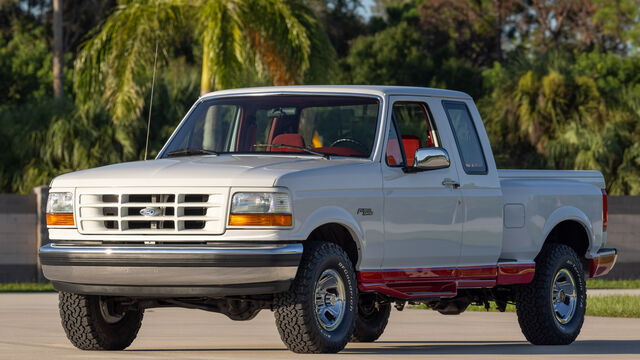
(115, 64)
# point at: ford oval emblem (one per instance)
(149, 212)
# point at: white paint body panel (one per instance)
(550, 197)
(423, 220)
(462, 227)
(482, 197)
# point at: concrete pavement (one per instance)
(30, 329)
(609, 292)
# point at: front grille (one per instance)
(140, 211)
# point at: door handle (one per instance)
(450, 182)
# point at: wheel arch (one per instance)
(335, 224)
(571, 227)
(340, 235)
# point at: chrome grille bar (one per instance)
(152, 211)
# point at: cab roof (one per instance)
(343, 89)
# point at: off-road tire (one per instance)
(371, 321)
(534, 305)
(295, 314)
(87, 329)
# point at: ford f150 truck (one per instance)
(327, 205)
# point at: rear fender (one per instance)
(570, 213)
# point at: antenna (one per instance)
(153, 84)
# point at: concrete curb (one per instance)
(608, 292)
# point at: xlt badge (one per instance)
(364, 212)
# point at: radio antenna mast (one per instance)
(153, 84)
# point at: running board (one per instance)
(408, 284)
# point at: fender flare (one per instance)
(569, 213)
(335, 215)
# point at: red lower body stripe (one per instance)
(442, 282)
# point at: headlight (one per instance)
(60, 209)
(60, 203)
(260, 209)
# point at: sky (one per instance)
(365, 10)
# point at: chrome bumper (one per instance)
(171, 270)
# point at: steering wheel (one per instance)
(352, 141)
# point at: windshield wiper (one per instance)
(187, 152)
(326, 156)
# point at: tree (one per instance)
(58, 50)
(25, 65)
(477, 27)
(579, 24)
(567, 111)
(340, 20)
(242, 42)
(404, 53)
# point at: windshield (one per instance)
(331, 125)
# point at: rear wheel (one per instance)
(372, 319)
(95, 323)
(551, 308)
(317, 314)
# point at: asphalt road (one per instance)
(30, 329)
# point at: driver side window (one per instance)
(415, 131)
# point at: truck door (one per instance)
(422, 210)
(479, 183)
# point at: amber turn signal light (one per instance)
(60, 220)
(260, 220)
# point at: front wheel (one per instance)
(551, 308)
(94, 322)
(317, 314)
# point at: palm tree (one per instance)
(58, 50)
(242, 40)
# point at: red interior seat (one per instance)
(411, 143)
(287, 139)
(394, 155)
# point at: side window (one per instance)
(415, 127)
(466, 137)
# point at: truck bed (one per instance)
(537, 200)
(591, 177)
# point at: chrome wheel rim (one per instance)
(564, 296)
(107, 315)
(329, 299)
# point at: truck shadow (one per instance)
(612, 347)
(397, 348)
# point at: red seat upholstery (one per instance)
(394, 155)
(411, 143)
(287, 139)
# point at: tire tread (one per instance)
(295, 322)
(83, 325)
(535, 317)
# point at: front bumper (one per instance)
(603, 262)
(152, 271)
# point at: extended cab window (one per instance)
(466, 137)
(416, 131)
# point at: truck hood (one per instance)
(208, 170)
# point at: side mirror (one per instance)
(431, 159)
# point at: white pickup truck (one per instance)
(326, 205)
